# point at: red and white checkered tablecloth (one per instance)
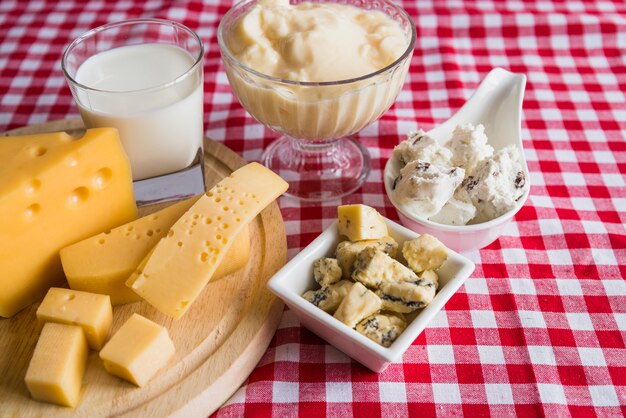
(540, 327)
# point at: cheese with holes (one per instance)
(137, 350)
(359, 222)
(90, 311)
(55, 190)
(56, 369)
(199, 240)
(103, 263)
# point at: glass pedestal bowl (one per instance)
(316, 154)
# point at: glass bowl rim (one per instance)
(406, 54)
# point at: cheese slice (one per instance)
(359, 222)
(55, 190)
(137, 350)
(183, 262)
(55, 372)
(91, 311)
(103, 263)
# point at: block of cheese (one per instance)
(137, 350)
(55, 190)
(358, 304)
(90, 311)
(198, 241)
(359, 222)
(103, 263)
(424, 253)
(55, 373)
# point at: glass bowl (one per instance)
(315, 153)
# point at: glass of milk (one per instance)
(145, 78)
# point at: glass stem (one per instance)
(315, 147)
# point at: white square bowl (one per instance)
(296, 277)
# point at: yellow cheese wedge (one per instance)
(103, 263)
(137, 350)
(91, 311)
(174, 274)
(359, 222)
(56, 369)
(55, 190)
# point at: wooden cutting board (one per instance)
(218, 342)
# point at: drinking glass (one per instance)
(145, 78)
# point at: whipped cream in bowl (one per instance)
(317, 72)
(466, 179)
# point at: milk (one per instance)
(159, 120)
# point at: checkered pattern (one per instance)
(540, 327)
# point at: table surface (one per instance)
(540, 326)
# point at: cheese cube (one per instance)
(424, 253)
(137, 350)
(55, 190)
(383, 329)
(103, 263)
(405, 297)
(359, 303)
(374, 267)
(359, 222)
(91, 311)
(198, 241)
(326, 271)
(56, 369)
(329, 297)
(347, 252)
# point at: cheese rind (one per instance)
(90, 311)
(137, 350)
(103, 263)
(55, 372)
(198, 241)
(360, 222)
(55, 190)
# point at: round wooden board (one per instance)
(218, 342)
